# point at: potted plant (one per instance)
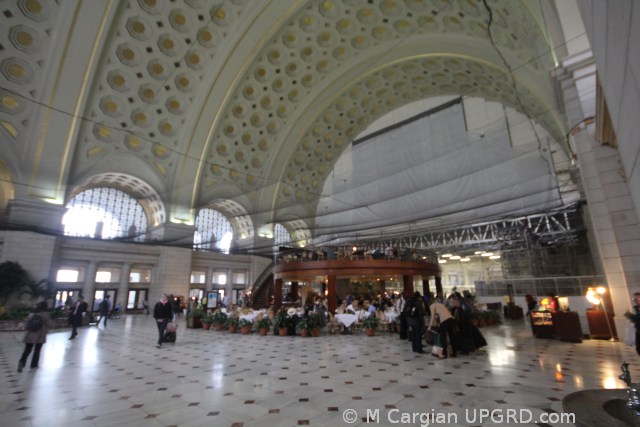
(303, 324)
(245, 326)
(232, 324)
(206, 321)
(219, 319)
(281, 323)
(370, 324)
(263, 326)
(315, 323)
(194, 319)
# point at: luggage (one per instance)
(170, 333)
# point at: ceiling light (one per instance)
(494, 257)
(465, 259)
(446, 255)
(486, 254)
(455, 257)
(478, 252)
(442, 261)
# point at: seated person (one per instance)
(353, 307)
(368, 307)
(342, 309)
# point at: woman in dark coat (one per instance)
(163, 313)
(35, 339)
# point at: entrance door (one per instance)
(100, 294)
(136, 299)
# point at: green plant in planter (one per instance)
(280, 320)
(264, 323)
(231, 321)
(219, 318)
(206, 318)
(304, 323)
(315, 320)
(371, 321)
(197, 312)
(243, 323)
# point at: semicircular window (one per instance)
(105, 213)
(281, 235)
(213, 231)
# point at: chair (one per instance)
(356, 328)
(332, 325)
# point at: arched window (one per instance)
(281, 236)
(213, 231)
(105, 213)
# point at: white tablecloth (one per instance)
(250, 316)
(346, 319)
(390, 316)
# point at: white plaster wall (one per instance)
(34, 252)
(173, 273)
(613, 27)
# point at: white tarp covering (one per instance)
(429, 174)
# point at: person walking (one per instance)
(399, 307)
(635, 318)
(105, 308)
(38, 323)
(77, 314)
(163, 313)
(414, 313)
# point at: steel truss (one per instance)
(558, 228)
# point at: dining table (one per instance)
(251, 316)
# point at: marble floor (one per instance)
(115, 376)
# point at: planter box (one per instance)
(194, 322)
(18, 325)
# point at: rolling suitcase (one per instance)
(170, 333)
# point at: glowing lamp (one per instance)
(594, 296)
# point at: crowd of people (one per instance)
(444, 323)
(417, 316)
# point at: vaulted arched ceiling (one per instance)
(254, 101)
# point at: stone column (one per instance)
(407, 282)
(425, 286)
(277, 295)
(439, 291)
(332, 296)
(611, 211)
(123, 286)
(89, 284)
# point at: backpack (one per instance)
(34, 324)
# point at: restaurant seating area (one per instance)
(115, 376)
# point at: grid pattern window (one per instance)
(105, 213)
(219, 278)
(213, 231)
(68, 276)
(281, 235)
(239, 278)
(140, 275)
(198, 276)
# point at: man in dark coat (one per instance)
(77, 313)
(414, 313)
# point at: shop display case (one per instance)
(542, 324)
(567, 326)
